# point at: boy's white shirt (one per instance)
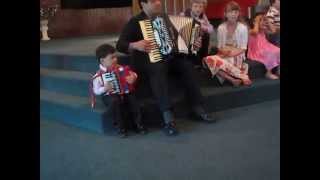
(98, 87)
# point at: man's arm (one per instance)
(127, 43)
(126, 37)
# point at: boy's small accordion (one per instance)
(117, 77)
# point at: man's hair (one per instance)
(140, 1)
(272, 1)
(104, 50)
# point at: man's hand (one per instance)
(142, 45)
(131, 78)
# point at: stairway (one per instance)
(64, 81)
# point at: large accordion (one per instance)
(117, 77)
(170, 34)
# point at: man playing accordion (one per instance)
(132, 42)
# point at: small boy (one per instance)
(116, 85)
(197, 12)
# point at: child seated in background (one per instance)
(116, 85)
(232, 43)
(273, 22)
(260, 49)
(197, 12)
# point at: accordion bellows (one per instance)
(157, 31)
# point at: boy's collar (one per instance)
(106, 69)
(102, 68)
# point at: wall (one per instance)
(216, 9)
(75, 23)
(85, 22)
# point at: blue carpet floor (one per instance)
(243, 145)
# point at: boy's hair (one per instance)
(205, 2)
(104, 50)
(198, 1)
(140, 1)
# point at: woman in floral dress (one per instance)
(232, 37)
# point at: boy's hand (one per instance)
(131, 78)
(108, 86)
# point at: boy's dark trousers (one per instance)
(121, 105)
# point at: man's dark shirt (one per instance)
(132, 33)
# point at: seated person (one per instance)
(232, 37)
(260, 49)
(197, 12)
(273, 23)
(119, 97)
(131, 41)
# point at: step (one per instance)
(71, 110)
(82, 63)
(77, 82)
(63, 81)
(87, 63)
(76, 110)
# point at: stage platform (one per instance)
(66, 66)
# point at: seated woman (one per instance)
(232, 39)
(260, 49)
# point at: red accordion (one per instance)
(116, 75)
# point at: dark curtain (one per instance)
(88, 4)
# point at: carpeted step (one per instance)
(87, 63)
(76, 110)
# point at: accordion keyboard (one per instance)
(111, 78)
(147, 32)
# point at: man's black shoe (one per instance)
(123, 133)
(200, 114)
(141, 129)
(170, 129)
(205, 117)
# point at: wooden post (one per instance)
(183, 5)
(135, 7)
(175, 7)
(165, 6)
